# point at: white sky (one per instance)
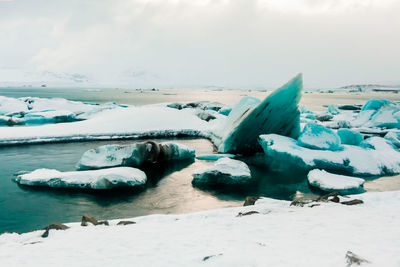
(196, 43)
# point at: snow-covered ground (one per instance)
(279, 235)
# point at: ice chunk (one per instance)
(334, 182)
(226, 110)
(284, 154)
(378, 113)
(278, 113)
(349, 137)
(46, 116)
(215, 156)
(393, 137)
(97, 179)
(134, 155)
(225, 171)
(333, 109)
(316, 136)
(375, 104)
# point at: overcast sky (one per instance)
(196, 43)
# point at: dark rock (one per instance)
(53, 226)
(240, 214)
(175, 105)
(352, 258)
(125, 222)
(300, 202)
(209, 257)
(324, 117)
(350, 107)
(250, 200)
(333, 197)
(86, 218)
(205, 116)
(352, 202)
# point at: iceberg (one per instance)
(378, 113)
(278, 113)
(135, 155)
(97, 179)
(374, 156)
(333, 182)
(316, 136)
(350, 137)
(393, 137)
(225, 171)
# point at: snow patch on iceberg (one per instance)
(225, 171)
(97, 179)
(333, 182)
(316, 136)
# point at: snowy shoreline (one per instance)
(279, 234)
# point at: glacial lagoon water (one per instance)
(169, 191)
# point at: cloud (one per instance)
(241, 43)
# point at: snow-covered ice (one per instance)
(277, 113)
(97, 179)
(374, 156)
(134, 155)
(34, 110)
(280, 235)
(333, 182)
(350, 137)
(130, 122)
(225, 171)
(316, 136)
(393, 137)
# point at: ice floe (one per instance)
(334, 182)
(374, 156)
(95, 179)
(134, 155)
(225, 171)
(350, 137)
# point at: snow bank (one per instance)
(280, 235)
(98, 179)
(225, 171)
(375, 156)
(333, 182)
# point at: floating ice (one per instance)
(333, 109)
(225, 171)
(393, 137)
(378, 113)
(334, 182)
(376, 156)
(350, 137)
(97, 179)
(316, 136)
(278, 113)
(134, 155)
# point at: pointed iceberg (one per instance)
(278, 114)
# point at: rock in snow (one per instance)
(97, 179)
(278, 113)
(375, 156)
(316, 136)
(333, 182)
(134, 155)
(225, 171)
